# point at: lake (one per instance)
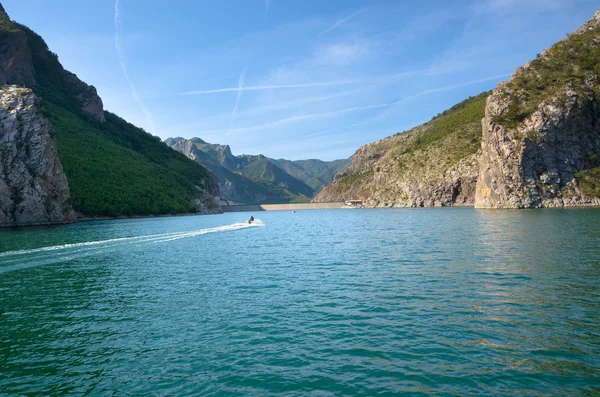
(423, 302)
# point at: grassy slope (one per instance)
(423, 152)
(113, 168)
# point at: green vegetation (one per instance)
(347, 182)
(464, 117)
(589, 181)
(567, 63)
(273, 179)
(314, 173)
(111, 175)
(471, 110)
(113, 168)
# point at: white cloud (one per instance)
(341, 53)
(341, 21)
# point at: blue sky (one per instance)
(293, 79)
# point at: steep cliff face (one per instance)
(434, 164)
(207, 198)
(541, 131)
(27, 61)
(33, 186)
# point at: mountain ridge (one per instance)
(266, 176)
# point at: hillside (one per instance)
(244, 179)
(434, 164)
(315, 173)
(541, 132)
(113, 168)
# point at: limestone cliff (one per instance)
(541, 131)
(434, 164)
(22, 52)
(33, 186)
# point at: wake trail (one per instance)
(14, 260)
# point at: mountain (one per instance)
(541, 132)
(244, 179)
(434, 164)
(315, 173)
(537, 146)
(112, 167)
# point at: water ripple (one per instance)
(430, 302)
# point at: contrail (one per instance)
(269, 87)
(267, 5)
(121, 56)
(239, 95)
(341, 21)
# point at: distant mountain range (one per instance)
(254, 179)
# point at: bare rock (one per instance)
(33, 186)
(532, 161)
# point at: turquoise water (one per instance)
(439, 302)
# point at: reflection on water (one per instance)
(431, 301)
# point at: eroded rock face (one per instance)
(208, 199)
(532, 162)
(33, 186)
(87, 96)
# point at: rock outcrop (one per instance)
(16, 64)
(434, 164)
(33, 186)
(208, 200)
(541, 131)
(21, 49)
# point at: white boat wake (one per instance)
(23, 259)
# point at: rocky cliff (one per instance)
(434, 164)
(33, 186)
(541, 131)
(23, 54)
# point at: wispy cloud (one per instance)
(298, 103)
(455, 86)
(392, 109)
(312, 116)
(121, 55)
(267, 6)
(341, 53)
(268, 87)
(342, 21)
(237, 99)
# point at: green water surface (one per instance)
(421, 302)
